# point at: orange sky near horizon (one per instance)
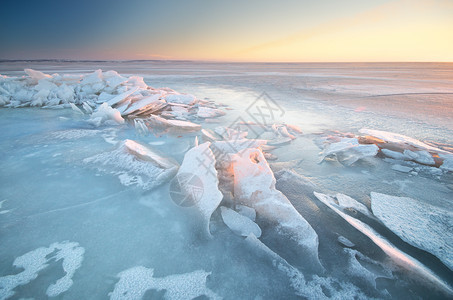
(254, 31)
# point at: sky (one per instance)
(233, 30)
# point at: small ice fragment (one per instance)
(207, 112)
(104, 113)
(36, 75)
(422, 157)
(117, 99)
(447, 163)
(87, 108)
(75, 108)
(180, 98)
(348, 202)
(238, 223)
(345, 242)
(142, 103)
(401, 168)
(393, 154)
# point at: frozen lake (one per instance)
(82, 218)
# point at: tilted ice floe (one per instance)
(199, 166)
(399, 257)
(69, 253)
(136, 164)
(422, 225)
(254, 186)
(135, 281)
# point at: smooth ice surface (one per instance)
(424, 226)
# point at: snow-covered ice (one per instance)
(424, 226)
(134, 283)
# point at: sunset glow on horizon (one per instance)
(265, 31)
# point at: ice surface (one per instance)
(199, 162)
(401, 168)
(254, 186)
(135, 281)
(35, 261)
(238, 223)
(398, 256)
(134, 164)
(113, 217)
(422, 225)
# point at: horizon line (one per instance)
(208, 61)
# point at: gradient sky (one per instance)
(233, 30)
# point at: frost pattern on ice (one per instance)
(422, 225)
(35, 261)
(134, 283)
(135, 164)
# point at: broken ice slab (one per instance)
(254, 186)
(348, 150)
(399, 257)
(117, 99)
(199, 166)
(422, 225)
(175, 125)
(105, 113)
(146, 154)
(142, 104)
(239, 224)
